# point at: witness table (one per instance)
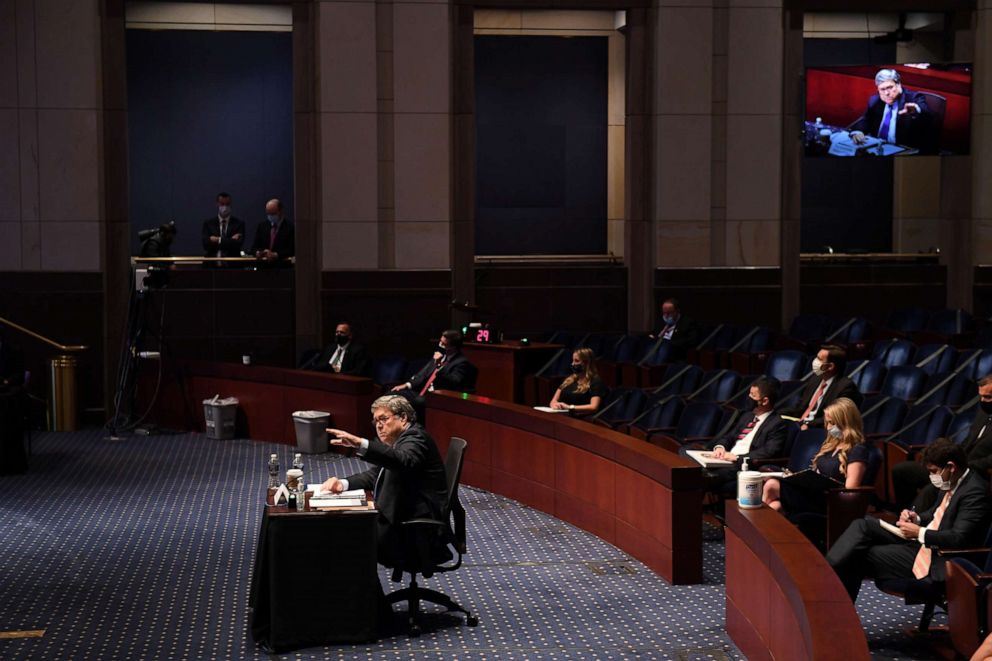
(315, 580)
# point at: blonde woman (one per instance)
(842, 457)
(582, 392)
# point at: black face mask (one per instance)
(578, 369)
(341, 339)
(986, 407)
(750, 404)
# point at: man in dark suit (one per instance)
(909, 478)
(224, 234)
(759, 434)
(959, 519)
(675, 328)
(407, 479)
(345, 356)
(828, 385)
(449, 369)
(896, 115)
(275, 236)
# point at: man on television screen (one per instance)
(896, 115)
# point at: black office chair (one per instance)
(424, 532)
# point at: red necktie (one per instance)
(423, 391)
(921, 565)
(748, 428)
(816, 400)
(272, 237)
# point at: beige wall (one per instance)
(385, 134)
(50, 188)
(718, 146)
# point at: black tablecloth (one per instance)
(315, 580)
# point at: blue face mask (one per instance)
(272, 218)
(668, 319)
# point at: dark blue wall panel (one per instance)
(541, 131)
(207, 111)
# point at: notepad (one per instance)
(705, 459)
(891, 528)
(548, 409)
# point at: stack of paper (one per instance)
(353, 498)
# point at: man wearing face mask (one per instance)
(448, 369)
(759, 434)
(345, 356)
(957, 520)
(909, 478)
(827, 385)
(224, 234)
(275, 236)
(681, 332)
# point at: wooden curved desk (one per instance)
(643, 499)
(783, 600)
(267, 397)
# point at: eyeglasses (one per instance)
(382, 419)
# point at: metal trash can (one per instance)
(311, 434)
(220, 416)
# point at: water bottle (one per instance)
(274, 471)
(301, 484)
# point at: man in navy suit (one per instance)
(759, 434)
(275, 238)
(448, 369)
(896, 115)
(407, 477)
(828, 386)
(681, 332)
(224, 234)
(345, 356)
(958, 519)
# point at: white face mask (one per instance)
(835, 431)
(224, 211)
(939, 482)
(817, 367)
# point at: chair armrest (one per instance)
(957, 553)
(432, 522)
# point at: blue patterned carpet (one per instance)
(143, 549)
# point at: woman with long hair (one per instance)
(581, 392)
(843, 457)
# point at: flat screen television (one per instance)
(846, 113)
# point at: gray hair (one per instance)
(887, 74)
(397, 405)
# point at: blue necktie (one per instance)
(883, 130)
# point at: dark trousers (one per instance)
(866, 549)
